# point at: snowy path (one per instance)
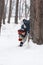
(11, 54)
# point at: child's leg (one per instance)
(23, 41)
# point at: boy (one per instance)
(24, 32)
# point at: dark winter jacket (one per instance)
(26, 25)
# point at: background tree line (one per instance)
(14, 8)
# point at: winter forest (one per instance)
(12, 13)
(13, 8)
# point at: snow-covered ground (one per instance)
(11, 54)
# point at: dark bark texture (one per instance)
(1, 10)
(16, 13)
(10, 11)
(36, 19)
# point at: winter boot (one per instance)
(21, 44)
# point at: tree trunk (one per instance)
(5, 11)
(10, 11)
(1, 11)
(16, 13)
(26, 15)
(32, 16)
(20, 10)
(36, 19)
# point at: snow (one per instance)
(11, 54)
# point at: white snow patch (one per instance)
(11, 54)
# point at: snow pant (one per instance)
(25, 38)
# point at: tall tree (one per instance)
(36, 19)
(10, 11)
(32, 16)
(5, 11)
(20, 10)
(25, 9)
(1, 11)
(16, 13)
